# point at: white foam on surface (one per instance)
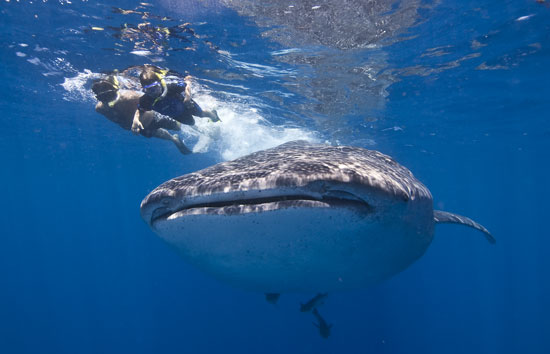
(76, 86)
(242, 130)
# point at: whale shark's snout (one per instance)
(298, 217)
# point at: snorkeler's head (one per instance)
(106, 89)
(151, 82)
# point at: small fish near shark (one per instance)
(272, 298)
(324, 327)
(299, 217)
(313, 303)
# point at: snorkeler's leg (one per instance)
(185, 118)
(213, 115)
(168, 123)
(165, 135)
(196, 110)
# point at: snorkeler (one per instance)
(169, 94)
(119, 105)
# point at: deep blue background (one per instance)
(80, 272)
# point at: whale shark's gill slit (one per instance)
(356, 203)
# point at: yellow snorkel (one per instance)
(114, 81)
(160, 76)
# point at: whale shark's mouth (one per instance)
(264, 204)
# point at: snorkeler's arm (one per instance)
(109, 113)
(187, 96)
(99, 107)
(136, 123)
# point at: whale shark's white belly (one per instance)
(305, 249)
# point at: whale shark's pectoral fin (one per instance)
(445, 217)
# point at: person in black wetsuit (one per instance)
(169, 94)
(119, 106)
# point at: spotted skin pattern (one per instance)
(297, 164)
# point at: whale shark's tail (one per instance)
(445, 217)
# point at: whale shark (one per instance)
(299, 217)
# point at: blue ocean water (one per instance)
(457, 91)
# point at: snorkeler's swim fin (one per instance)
(214, 116)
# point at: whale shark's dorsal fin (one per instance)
(445, 217)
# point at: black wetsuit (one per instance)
(172, 104)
